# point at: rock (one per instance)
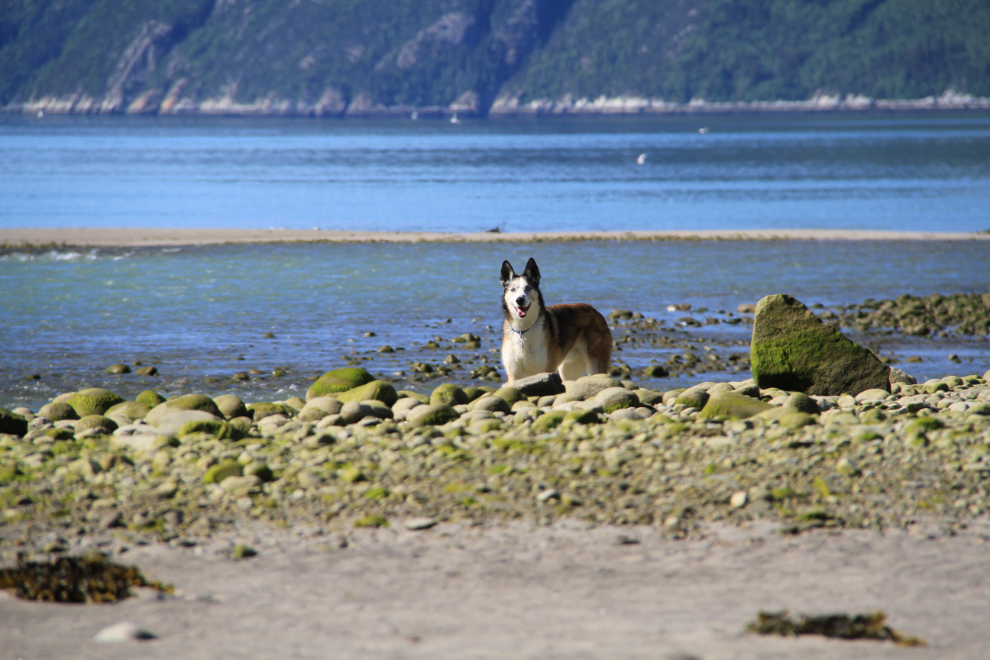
(872, 395)
(543, 384)
(549, 421)
(240, 486)
(490, 403)
(693, 397)
(898, 376)
(117, 369)
(221, 471)
(243, 551)
(655, 371)
(353, 412)
(57, 412)
(147, 371)
(431, 415)
(422, 398)
(379, 390)
(132, 410)
(149, 398)
(230, 406)
(509, 394)
(795, 420)
(215, 427)
(93, 401)
(12, 423)
(338, 380)
(416, 524)
(796, 351)
(318, 408)
(746, 308)
(186, 402)
(589, 386)
(175, 420)
(670, 397)
(549, 494)
(448, 394)
(847, 467)
(738, 499)
(476, 392)
(99, 422)
(123, 632)
(260, 411)
(731, 405)
(802, 403)
(616, 398)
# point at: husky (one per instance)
(572, 339)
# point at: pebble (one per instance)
(416, 524)
(738, 499)
(123, 632)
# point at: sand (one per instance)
(567, 591)
(148, 237)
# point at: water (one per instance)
(199, 314)
(928, 172)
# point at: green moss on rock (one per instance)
(258, 411)
(379, 390)
(150, 398)
(510, 395)
(58, 411)
(549, 421)
(218, 429)
(132, 410)
(731, 405)
(93, 401)
(338, 380)
(99, 422)
(449, 394)
(12, 423)
(794, 350)
(221, 471)
(432, 415)
(231, 406)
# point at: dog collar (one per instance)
(521, 332)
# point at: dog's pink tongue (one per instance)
(522, 312)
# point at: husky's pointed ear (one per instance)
(532, 272)
(507, 273)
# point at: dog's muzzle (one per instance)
(522, 311)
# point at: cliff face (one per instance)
(360, 57)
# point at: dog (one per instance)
(572, 339)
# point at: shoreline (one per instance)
(21, 238)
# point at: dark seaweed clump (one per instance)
(74, 580)
(840, 626)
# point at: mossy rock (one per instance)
(241, 425)
(449, 394)
(796, 351)
(795, 419)
(925, 424)
(432, 415)
(99, 422)
(474, 393)
(491, 404)
(8, 474)
(93, 401)
(582, 417)
(58, 411)
(670, 396)
(616, 398)
(803, 403)
(692, 397)
(221, 471)
(117, 369)
(338, 380)
(56, 433)
(373, 520)
(510, 395)
(379, 390)
(231, 406)
(422, 398)
(259, 411)
(197, 402)
(218, 429)
(731, 405)
(150, 398)
(12, 423)
(132, 410)
(549, 421)
(295, 403)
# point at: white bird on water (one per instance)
(641, 160)
(703, 130)
(454, 119)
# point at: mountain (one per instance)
(357, 57)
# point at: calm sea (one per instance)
(200, 314)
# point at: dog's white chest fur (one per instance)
(525, 353)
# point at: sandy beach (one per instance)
(565, 591)
(149, 237)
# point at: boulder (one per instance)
(318, 408)
(231, 406)
(589, 386)
(379, 390)
(490, 403)
(693, 397)
(191, 402)
(171, 422)
(543, 384)
(338, 380)
(258, 411)
(12, 423)
(93, 401)
(509, 394)
(731, 405)
(131, 410)
(794, 350)
(57, 412)
(449, 394)
(616, 398)
(431, 415)
(150, 398)
(99, 422)
(549, 421)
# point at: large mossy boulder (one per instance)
(794, 350)
(724, 405)
(379, 390)
(12, 423)
(338, 380)
(186, 402)
(93, 401)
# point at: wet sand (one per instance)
(150, 237)
(567, 591)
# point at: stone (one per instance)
(218, 429)
(379, 390)
(670, 397)
(731, 405)
(117, 369)
(319, 407)
(354, 411)
(221, 471)
(431, 415)
(543, 384)
(417, 524)
(898, 376)
(509, 394)
(655, 371)
(549, 421)
(589, 386)
(796, 351)
(132, 410)
(12, 423)
(738, 499)
(103, 424)
(56, 412)
(872, 395)
(93, 401)
(149, 398)
(847, 467)
(239, 486)
(693, 397)
(616, 398)
(448, 394)
(422, 398)
(338, 380)
(802, 403)
(263, 409)
(123, 632)
(649, 397)
(231, 406)
(175, 420)
(186, 402)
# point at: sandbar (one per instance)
(157, 236)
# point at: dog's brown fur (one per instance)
(559, 330)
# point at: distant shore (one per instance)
(11, 238)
